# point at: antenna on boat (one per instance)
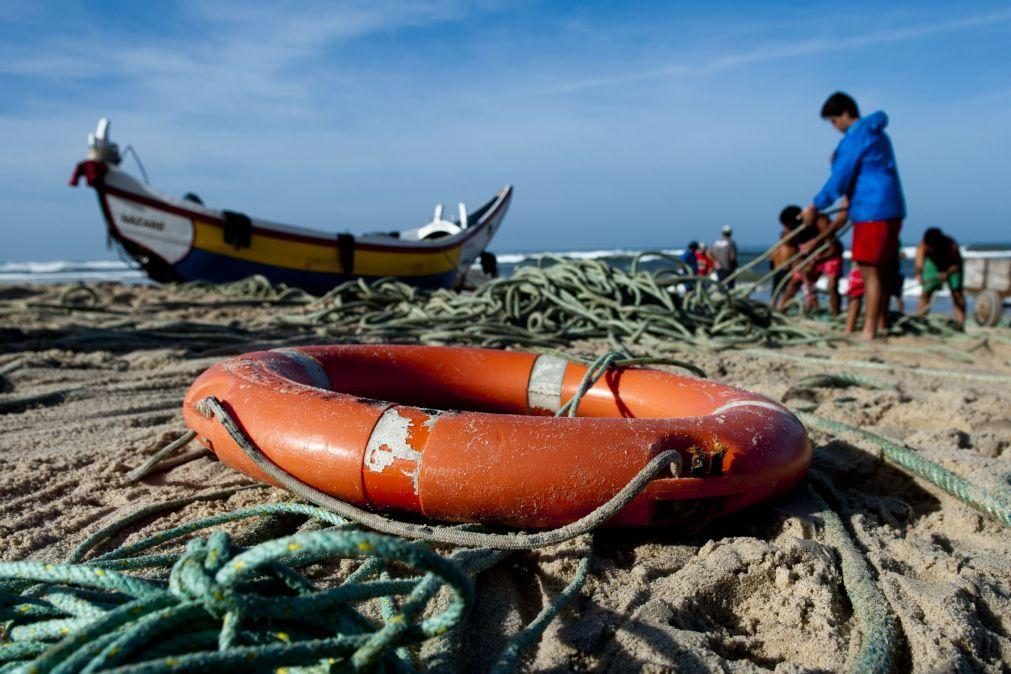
(463, 216)
(99, 145)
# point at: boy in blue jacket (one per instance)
(864, 170)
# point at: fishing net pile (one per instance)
(555, 303)
(649, 311)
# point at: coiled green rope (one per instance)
(546, 306)
(554, 303)
(264, 611)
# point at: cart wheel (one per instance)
(987, 308)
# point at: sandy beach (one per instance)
(94, 384)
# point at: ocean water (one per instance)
(123, 271)
(68, 271)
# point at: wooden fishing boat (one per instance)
(180, 239)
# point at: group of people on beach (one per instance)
(864, 189)
(721, 257)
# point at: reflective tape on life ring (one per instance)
(546, 380)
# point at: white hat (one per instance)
(726, 229)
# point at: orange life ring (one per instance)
(320, 414)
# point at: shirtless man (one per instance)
(829, 262)
(789, 218)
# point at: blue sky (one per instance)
(631, 124)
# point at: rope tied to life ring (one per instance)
(669, 459)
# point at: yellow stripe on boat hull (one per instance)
(305, 256)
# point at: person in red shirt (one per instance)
(705, 260)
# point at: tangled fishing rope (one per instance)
(657, 306)
(256, 287)
(223, 607)
(555, 303)
(218, 606)
(661, 310)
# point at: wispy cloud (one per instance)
(780, 52)
(235, 57)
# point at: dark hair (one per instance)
(694, 245)
(934, 238)
(839, 103)
(788, 216)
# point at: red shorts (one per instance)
(804, 275)
(831, 267)
(855, 281)
(876, 242)
(810, 271)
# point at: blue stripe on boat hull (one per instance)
(200, 265)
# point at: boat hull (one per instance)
(179, 240)
(217, 268)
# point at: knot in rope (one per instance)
(192, 578)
